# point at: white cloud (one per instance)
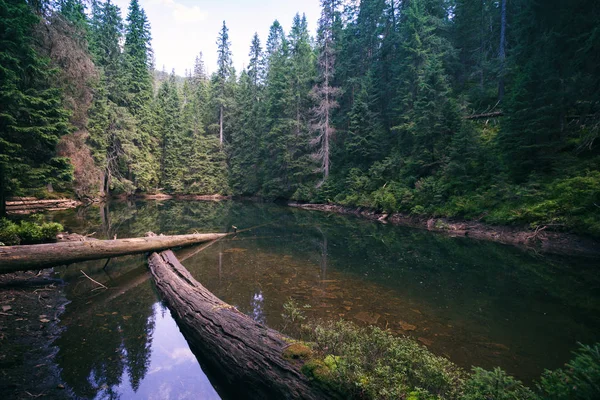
(183, 13)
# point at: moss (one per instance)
(297, 351)
(318, 370)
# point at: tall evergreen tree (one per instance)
(32, 118)
(224, 73)
(427, 114)
(138, 59)
(168, 113)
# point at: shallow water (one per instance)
(478, 303)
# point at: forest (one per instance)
(485, 110)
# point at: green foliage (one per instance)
(28, 232)
(371, 363)
(495, 385)
(578, 380)
(32, 117)
(291, 312)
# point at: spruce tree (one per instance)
(224, 73)
(245, 156)
(168, 114)
(138, 59)
(427, 115)
(32, 118)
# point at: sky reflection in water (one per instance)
(174, 372)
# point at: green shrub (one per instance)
(28, 232)
(495, 385)
(368, 363)
(578, 380)
(9, 234)
(371, 363)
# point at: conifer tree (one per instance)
(245, 156)
(427, 114)
(224, 73)
(138, 59)
(168, 113)
(32, 118)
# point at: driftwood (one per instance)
(244, 357)
(24, 258)
(27, 205)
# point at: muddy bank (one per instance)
(540, 240)
(30, 306)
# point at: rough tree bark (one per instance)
(243, 355)
(33, 257)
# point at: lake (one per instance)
(478, 303)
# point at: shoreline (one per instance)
(541, 240)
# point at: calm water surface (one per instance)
(477, 303)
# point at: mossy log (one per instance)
(244, 358)
(33, 257)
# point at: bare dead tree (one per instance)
(324, 94)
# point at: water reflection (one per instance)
(257, 307)
(478, 303)
(121, 343)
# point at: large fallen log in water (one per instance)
(246, 357)
(32, 257)
(27, 205)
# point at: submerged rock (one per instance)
(370, 318)
(407, 327)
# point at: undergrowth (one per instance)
(33, 231)
(369, 363)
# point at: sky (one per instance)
(183, 28)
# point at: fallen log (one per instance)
(29, 205)
(245, 357)
(33, 257)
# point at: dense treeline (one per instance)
(477, 109)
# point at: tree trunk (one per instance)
(2, 192)
(502, 52)
(243, 357)
(39, 256)
(221, 126)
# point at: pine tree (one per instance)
(366, 141)
(32, 118)
(106, 32)
(199, 74)
(303, 75)
(428, 116)
(138, 59)
(203, 161)
(245, 156)
(256, 65)
(168, 114)
(224, 73)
